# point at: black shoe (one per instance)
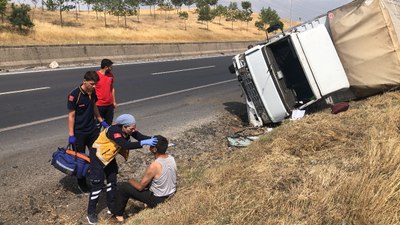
(84, 189)
(92, 218)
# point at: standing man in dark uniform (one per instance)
(82, 111)
(105, 91)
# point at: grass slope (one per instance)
(323, 169)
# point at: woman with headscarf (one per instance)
(103, 165)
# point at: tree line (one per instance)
(206, 10)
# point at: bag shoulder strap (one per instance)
(79, 155)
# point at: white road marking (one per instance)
(121, 104)
(174, 92)
(183, 70)
(25, 90)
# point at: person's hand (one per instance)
(151, 141)
(71, 140)
(104, 124)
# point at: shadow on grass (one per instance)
(67, 23)
(15, 30)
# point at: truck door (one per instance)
(323, 68)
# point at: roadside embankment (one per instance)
(42, 55)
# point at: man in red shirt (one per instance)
(105, 91)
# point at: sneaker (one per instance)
(92, 218)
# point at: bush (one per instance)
(19, 17)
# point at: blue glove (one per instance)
(72, 140)
(104, 124)
(152, 142)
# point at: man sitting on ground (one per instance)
(160, 176)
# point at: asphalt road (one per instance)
(165, 97)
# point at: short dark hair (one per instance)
(91, 76)
(106, 62)
(162, 144)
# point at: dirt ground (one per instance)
(46, 196)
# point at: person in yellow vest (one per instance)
(103, 165)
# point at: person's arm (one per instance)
(113, 95)
(148, 176)
(97, 113)
(115, 134)
(71, 122)
(139, 136)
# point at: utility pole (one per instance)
(290, 24)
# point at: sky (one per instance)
(297, 10)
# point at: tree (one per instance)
(88, 3)
(62, 5)
(151, 3)
(3, 7)
(200, 3)
(232, 13)
(165, 5)
(19, 17)
(184, 16)
(50, 5)
(125, 8)
(103, 6)
(188, 3)
(117, 8)
(212, 2)
(178, 5)
(132, 8)
(268, 16)
(246, 13)
(259, 25)
(220, 10)
(77, 6)
(205, 14)
(35, 2)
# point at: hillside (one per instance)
(88, 27)
(323, 169)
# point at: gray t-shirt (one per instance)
(166, 184)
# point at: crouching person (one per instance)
(159, 177)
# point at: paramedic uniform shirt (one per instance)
(83, 104)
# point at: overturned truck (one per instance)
(351, 52)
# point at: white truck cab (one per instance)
(289, 72)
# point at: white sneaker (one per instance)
(92, 219)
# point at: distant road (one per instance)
(36, 96)
(161, 95)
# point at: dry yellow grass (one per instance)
(89, 28)
(323, 169)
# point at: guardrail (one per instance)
(43, 55)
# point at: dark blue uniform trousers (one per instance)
(98, 174)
